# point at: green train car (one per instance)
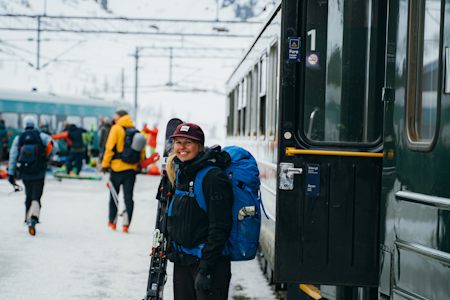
(345, 106)
(51, 111)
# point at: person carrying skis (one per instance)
(31, 149)
(198, 236)
(75, 138)
(122, 173)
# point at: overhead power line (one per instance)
(129, 26)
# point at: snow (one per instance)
(74, 255)
(92, 64)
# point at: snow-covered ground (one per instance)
(74, 255)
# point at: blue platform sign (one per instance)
(312, 180)
(294, 49)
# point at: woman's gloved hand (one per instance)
(203, 282)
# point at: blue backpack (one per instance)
(243, 174)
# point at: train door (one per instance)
(415, 214)
(330, 128)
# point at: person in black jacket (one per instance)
(197, 237)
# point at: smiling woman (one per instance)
(198, 233)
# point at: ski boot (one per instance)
(125, 229)
(113, 226)
(32, 225)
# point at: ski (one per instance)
(158, 263)
(76, 176)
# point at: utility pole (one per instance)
(123, 79)
(38, 41)
(136, 85)
(170, 68)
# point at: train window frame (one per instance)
(415, 67)
(272, 90)
(11, 117)
(374, 144)
(255, 100)
(262, 108)
(249, 104)
(239, 109)
(236, 116)
(230, 113)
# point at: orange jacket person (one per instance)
(122, 173)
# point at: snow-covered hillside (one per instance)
(93, 64)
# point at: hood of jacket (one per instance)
(125, 121)
(213, 156)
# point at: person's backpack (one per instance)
(31, 152)
(243, 174)
(133, 145)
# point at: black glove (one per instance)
(104, 170)
(11, 180)
(203, 282)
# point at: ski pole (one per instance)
(113, 193)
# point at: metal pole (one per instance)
(170, 68)
(38, 41)
(136, 84)
(123, 79)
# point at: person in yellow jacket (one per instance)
(122, 173)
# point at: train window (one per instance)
(75, 120)
(249, 104)
(244, 106)
(262, 95)
(23, 116)
(237, 122)
(230, 113)
(254, 99)
(341, 93)
(48, 122)
(423, 72)
(11, 120)
(90, 121)
(272, 99)
(263, 75)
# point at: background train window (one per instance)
(254, 105)
(230, 113)
(341, 102)
(75, 120)
(272, 92)
(244, 106)
(262, 95)
(90, 121)
(23, 116)
(11, 120)
(423, 71)
(249, 104)
(48, 122)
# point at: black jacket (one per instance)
(189, 225)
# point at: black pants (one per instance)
(33, 191)
(126, 179)
(184, 279)
(78, 158)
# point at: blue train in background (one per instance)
(51, 111)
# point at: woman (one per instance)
(197, 236)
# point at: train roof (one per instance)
(274, 11)
(12, 95)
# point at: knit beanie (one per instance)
(121, 112)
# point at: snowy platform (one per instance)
(74, 255)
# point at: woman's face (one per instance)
(185, 149)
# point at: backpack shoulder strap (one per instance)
(198, 186)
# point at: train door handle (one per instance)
(287, 172)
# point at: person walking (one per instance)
(103, 136)
(3, 139)
(75, 138)
(31, 149)
(198, 235)
(122, 173)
